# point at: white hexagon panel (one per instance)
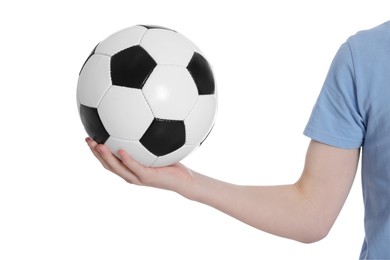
(92, 85)
(125, 113)
(171, 92)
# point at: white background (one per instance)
(269, 58)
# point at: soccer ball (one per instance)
(149, 91)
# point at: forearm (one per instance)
(304, 211)
(280, 210)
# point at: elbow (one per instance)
(313, 235)
(312, 238)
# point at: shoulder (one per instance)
(369, 49)
(373, 37)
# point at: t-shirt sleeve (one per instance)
(335, 119)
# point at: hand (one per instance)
(176, 177)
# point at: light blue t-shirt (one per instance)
(352, 111)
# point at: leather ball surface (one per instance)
(150, 91)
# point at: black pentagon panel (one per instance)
(90, 55)
(93, 125)
(164, 136)
(156, 27)
(131, 67)
(201, 72)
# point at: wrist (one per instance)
(194, 187)
(203, 189)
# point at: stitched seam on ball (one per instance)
(147, 77)
(192, 108)
(167, 120)
(173, 65)
(153, 161)
(189, 113)
(146, 100)
(103, 54)
(104, 94)
(142, 37)
(125, 140)
(97, 108)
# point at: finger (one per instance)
(132, 164)
(117, 166)
(92, 145)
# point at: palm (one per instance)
(175, 177)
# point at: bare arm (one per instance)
(303, 211)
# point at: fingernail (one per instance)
(87, 139)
